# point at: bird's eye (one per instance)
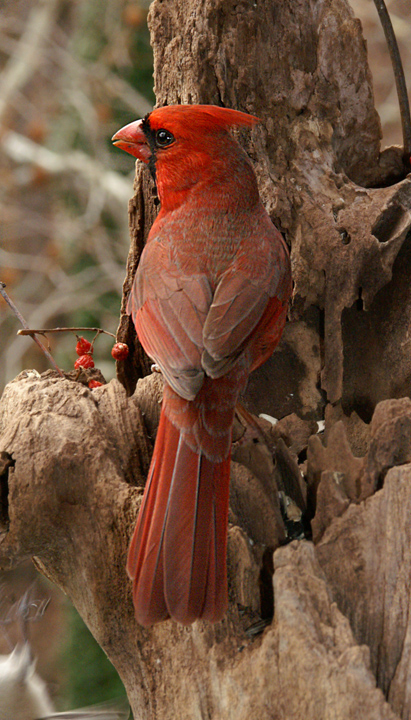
(164, 138)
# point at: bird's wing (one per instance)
(250, 295)
(189, 331)
(169, 309)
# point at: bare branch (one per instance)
(44, 331)
(21, 149)
(399, 77)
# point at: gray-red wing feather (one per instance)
(169, 310)
(179, 362)
(236, 310)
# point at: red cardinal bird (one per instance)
(209, 303)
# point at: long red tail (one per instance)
(177, 556)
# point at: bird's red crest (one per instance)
(198, 116)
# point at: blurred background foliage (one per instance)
(71, 73)
(89, 678)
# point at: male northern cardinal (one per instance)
(209, 303)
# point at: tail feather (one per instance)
(177, 557)
(145, 561)
(215, 602)
(186, 541)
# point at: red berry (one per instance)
(84, 346)
(93, 384)
(120, 351)
(85, 361)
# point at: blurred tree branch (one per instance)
(112, 185)
(25, 60)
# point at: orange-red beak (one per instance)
(132, 139)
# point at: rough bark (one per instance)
(71, 458)
(73, 461)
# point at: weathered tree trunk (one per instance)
(338, 629)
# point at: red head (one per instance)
(183, 144)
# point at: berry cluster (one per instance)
(85, 349)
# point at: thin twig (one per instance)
(399, 77)
(21, 319)
(44, 331)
